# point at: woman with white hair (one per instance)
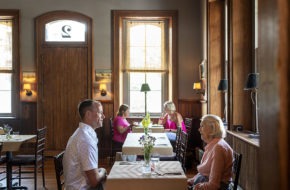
(215, 169)
(171, 120)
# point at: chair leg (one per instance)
(35, 177)
(43, 178)
(19, 175)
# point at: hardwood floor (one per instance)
(50, 180)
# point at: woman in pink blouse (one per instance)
(215, 169)
(171, 119)
(121, 126)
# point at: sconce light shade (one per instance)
(145, 87)
(223, 85)
(196, 86)
(27, 87)
(103, 89)
(252, 81)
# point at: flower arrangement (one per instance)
(146, 122)
(148, 142)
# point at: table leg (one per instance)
(9, 170)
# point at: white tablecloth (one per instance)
(129, 177)
(162, 145)
(154, 129)
(13, 144)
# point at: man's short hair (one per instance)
(86, 105)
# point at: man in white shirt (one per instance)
(80, 162)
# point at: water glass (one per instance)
(154, 161)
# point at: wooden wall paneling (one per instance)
(28, 118)
(249, 168)
(216, 56)
(189, 108)
(274, 117)
(242, 47)
(103, 133)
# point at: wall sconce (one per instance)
(27, 88)
(223, 87)
(103, 89)
(252, 85)
(145, 88)
(197, 88)
(28, 83)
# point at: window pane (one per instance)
(154, 97)
(137, 102)
(65, 31)
(5, 45)
(136, 80)
(153, 35)
(154, 102)
(5, 93)
(137, 57)
(154, 80)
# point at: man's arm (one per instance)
(96, 176)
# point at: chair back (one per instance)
(40, 143)
(182, 149)
(236, 169)
(177, 143)
(188, 124)
(111, 127)
(59, 170)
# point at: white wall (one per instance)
(190, 30)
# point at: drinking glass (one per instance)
(154, 161)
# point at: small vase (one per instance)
(147, 166)
(146, 130)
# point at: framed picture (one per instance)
(102, 85)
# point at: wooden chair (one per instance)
(182, 149)
(2, 168)
(236, 170)
(176, 154)
(35, 161)
(59, 170)
(114, 145)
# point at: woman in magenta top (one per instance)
(121, 126)
(171, 119)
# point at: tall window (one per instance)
(9, 63)
(145, 51)
(145, 61)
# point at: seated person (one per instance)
(80, 161)
(215, 169)
(171, 119)
(121, 127)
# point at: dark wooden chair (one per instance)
(115, 146)
(59, 170)
(176, 153)
(183, 149)
(35, 161)
(236, 170)
(2, 167)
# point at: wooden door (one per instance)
(64, 79)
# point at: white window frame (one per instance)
(15, 88)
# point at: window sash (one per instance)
(132, 95)
(9, 63)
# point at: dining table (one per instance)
(162, 145)
(155, 128)
(129, 176)
(10, 145)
